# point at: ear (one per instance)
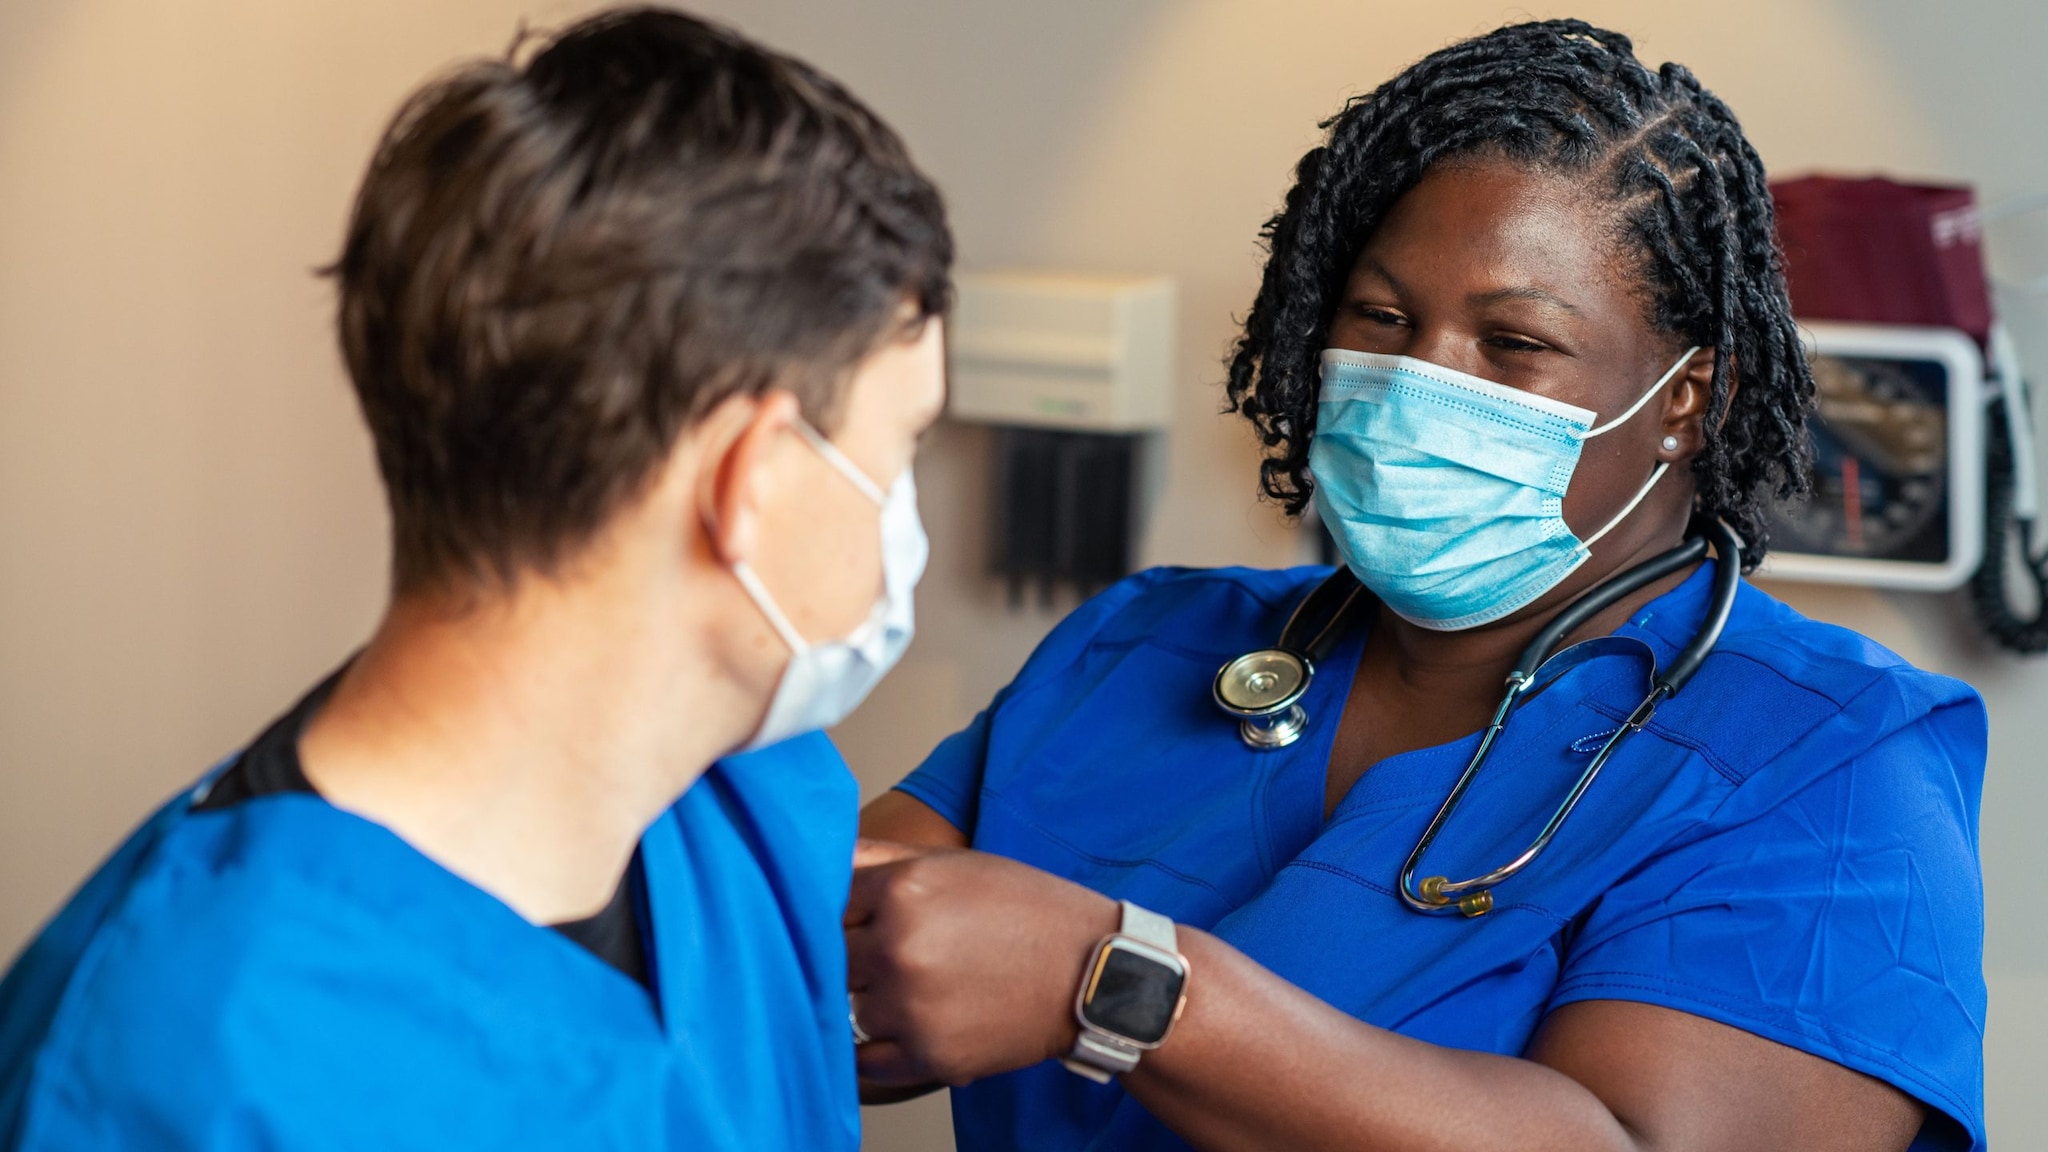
(1687, 397)
(741, 437)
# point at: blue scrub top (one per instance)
(1790, 848)
(282, 974)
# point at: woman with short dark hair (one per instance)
(1523, 334)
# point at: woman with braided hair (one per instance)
(1523, 322)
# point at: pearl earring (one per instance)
(1671, 443)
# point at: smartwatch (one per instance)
(1133, 991)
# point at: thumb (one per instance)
(870, 853)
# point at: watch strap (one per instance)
(1149, 927)
(1100, 1058)
(1098, 1055)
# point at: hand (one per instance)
(963, 964)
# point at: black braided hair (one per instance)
(1691, 199)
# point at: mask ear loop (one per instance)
(1662, 466)
(758, 592)
(839, 461)
(751, 581)
(1636, 407)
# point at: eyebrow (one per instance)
(1380, 270)
(1526, 293)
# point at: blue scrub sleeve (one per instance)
(33, 990)
(1845, 919)
(949, 780)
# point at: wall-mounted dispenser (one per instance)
(1076, 374)
(1038, 350)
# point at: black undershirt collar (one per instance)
(270, 766)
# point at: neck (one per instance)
(525, 742)
(1467, 670)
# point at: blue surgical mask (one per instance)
(1445, 492)
(824, 682)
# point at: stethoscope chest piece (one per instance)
(1263, 690)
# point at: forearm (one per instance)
(1256, 1063)
(964, 966)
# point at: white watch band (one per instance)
(1098, 1055)
(1149, 927)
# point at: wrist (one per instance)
(1130, 995)
(1099, 919)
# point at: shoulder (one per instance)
(812, 752)
(1784, 695)
(212, 927)
(788, 812)
(803, 778)
(222, 976)
(1826, 892)
(191, 981)
(1827, 659)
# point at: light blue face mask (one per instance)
(1445, 492)
(824, 682)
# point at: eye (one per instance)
(1386, 317)
(1507, 343)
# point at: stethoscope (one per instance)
(1264, 690)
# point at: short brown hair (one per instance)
(556, 266)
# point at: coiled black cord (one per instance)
(1989, 591)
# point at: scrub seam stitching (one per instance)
(1728, 771)
(989, 793)
(1670, 735)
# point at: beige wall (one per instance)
(189, 525)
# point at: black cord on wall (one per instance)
(1064, 510)
(2008, 545)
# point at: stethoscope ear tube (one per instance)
(1439, 895)
(1727, 579)
(1603, 596)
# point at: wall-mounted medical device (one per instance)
(1923, 473)
(1040, 350)
(1898, 462)
(1075, 372)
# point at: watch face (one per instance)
(1133, 995)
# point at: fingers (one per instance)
(867, 958)
(876, 1016)
(888, 1063)
(876, 864)
(870, 886)
(887, 1057)
(896, 1053)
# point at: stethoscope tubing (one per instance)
(1280, 722)
(1439, 895)
(1450, 896)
